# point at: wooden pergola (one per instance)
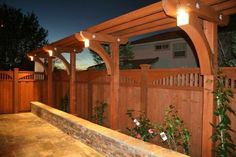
(204, 18)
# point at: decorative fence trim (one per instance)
(6, 76)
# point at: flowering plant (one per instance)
(176, 135)
(142, 129)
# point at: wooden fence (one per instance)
(141, 89)
(18, 88)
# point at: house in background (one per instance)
(173, 49)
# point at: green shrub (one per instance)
(99, 111)
(173, 128)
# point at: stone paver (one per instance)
(26, 135)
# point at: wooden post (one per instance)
(50, 85)
(144, 70)
(15, 90)
(72, 83)
(210, 30)
(114, 87)
(90, 96)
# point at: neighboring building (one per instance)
(173, 49)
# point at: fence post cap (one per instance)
(145, 66)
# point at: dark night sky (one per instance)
(63, 18)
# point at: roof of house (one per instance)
(162, 36)
(135, 63)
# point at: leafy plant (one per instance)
(221, 135)
(99, 111)
(227, 48)
(64, 106)
(232, 61)
(143, 129)
(177, 136)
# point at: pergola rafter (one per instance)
(204, 17)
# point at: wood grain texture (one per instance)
(180, 87)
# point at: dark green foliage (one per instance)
(232, 61)
(99, 111)
(227, 48)
(126, 53)
(177, 135)
(19, 34)
(221, 136)
(64, 106)
(142, 129)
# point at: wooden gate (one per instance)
(18, 88)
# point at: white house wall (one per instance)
(166, 57)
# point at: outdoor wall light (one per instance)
(31, 58)
(50, 52)
(182, 17)
(86, 43)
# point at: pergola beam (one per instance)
(200, 9)
(211, 2)
(104, 38)
(137, 22)
(225, 5)
(145, 11)
(150, 30)
(229, 11)
(146, 26)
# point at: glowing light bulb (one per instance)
(31, 58)
(86, 43)
(50, 52)
(182, 17)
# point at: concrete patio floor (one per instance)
(26, 135)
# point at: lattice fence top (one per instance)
(5, 76)
(31, 76)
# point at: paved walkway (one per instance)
(26, 135)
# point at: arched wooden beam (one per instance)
(64, 61)
(96, 47)
(36, 59)
(204, 53)
(195, 31)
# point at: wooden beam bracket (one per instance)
(96, 47)
(64, 61)
(198, 37)
(36, 59)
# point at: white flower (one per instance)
(137, 123)
(163, 136)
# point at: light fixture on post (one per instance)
(182, 17)
(31, 58)
(86, 43)
(50, 52)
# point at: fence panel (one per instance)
(26, 92)
(145, 89)
(6, 92)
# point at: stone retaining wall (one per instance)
(106, 141)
